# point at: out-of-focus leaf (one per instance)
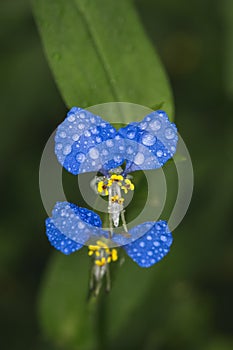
(99, 52)
(65, 315)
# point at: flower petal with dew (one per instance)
(85, 142)
(70, 227)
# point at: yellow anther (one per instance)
(101, 244)
(102, 188)
(110, 182)
(93, 247)
(114, 198)
(120, 200)
(117, 178)
(124, 189)
(103, 254)
(129, 184)
(114, 255)
(101, 262)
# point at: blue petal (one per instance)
(152, 246)
(59, 240)
(72, 225)
(149, 143)
(85, 142)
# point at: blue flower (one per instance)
(70, 227)
(85, 142)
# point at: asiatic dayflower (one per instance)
(71, 227)
(85, 143)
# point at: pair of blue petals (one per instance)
(85, 142)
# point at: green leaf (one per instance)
(99, 52)
(64, 313)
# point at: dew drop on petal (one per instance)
(163, 238)
(149, 238)
(87, 133)
(80, 157)
(139, 158)
(104, 152)
(142, 244)
(75, 137)
(59, 146)
(159, 153)
(155, 124)
(109, 143)
(62, 134)
(81, 126)
(130, 134)
(94, 153)
(148, 139)
(71, 118)
(143, 125)
(169, 133)
(129, 150)
(67, 150)
(81, 225)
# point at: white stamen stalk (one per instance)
(114, 208)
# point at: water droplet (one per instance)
(139, 158)
(104, 152)
(75, 137)
(59, 146)
(130, 134)
(81, 126)
(148, 139)
(81, 225)
(150, 253)
(98, 139)
(80, 157)
(62, 134)
(87, 133)
(156, 243)
(155, 124)
(117, 158)
(129, 150)
(148, 237)
(94, 131)
(67, 150)
(71, 118)
(159, 153)
(163, 238)
(109, 143)
(82, 115)
(94, 153)
(143, 125)
(142, 244)
(169, 133)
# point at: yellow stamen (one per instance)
(114, 255)
(114, 198)
(125, 189)
(101, 262)
(102, 244)
(115, 177)
(120, 200)
(102, 188)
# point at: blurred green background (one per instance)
(189, 304)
